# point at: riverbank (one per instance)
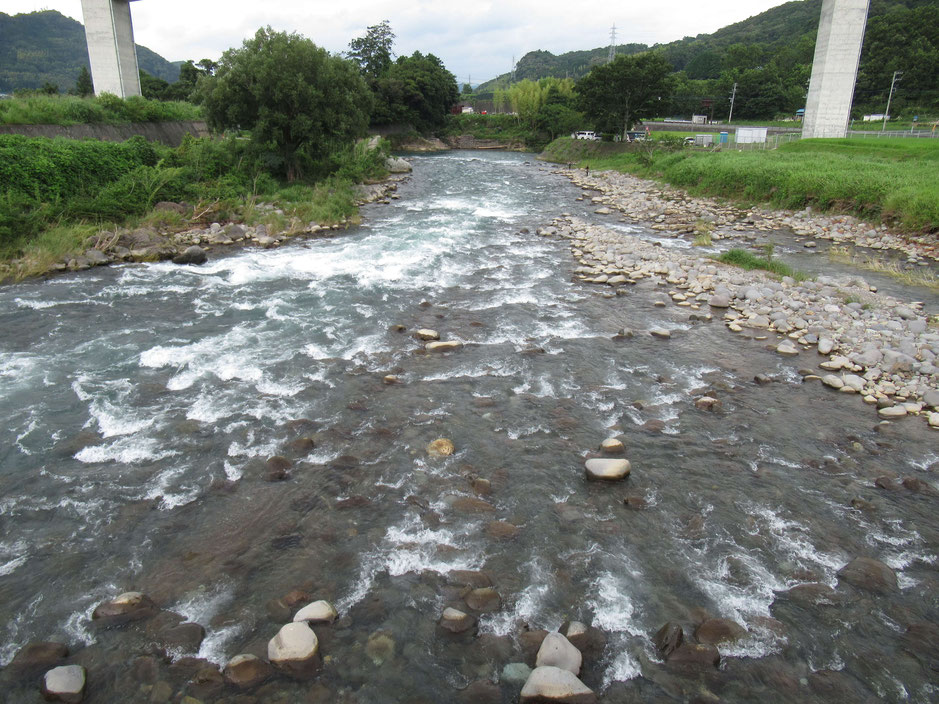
(873, 345)
(174, 232)
(882, 185)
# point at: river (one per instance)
(140, 403)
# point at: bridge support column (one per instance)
(111, 48)
(834, 71)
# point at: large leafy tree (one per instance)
(416, 90)
(373, 51)
(299, 103)
(629, 88)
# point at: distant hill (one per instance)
(701, 56)
(47, 46)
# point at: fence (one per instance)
(922, 134)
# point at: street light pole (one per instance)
(893, 83)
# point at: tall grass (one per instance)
(890, 180)
(105, 109)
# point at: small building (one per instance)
(751, 135)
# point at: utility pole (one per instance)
(513, 68)
(612, 54)
(893, 85)
(733, 97)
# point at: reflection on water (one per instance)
(140, 405)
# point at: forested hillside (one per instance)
(769, 57)
(48, 47)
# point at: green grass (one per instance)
(748, 261)
(57, 192)
(105, 109)
(889, 180)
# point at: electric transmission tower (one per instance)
(612, 54)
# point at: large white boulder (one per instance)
(557, 651)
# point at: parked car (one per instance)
(586, 134)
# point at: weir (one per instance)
(111, 49)
(834, 70)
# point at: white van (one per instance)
(586, 134)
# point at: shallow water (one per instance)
(139, 404)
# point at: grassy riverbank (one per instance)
(889, 180)
(59, 195)
(105, 109)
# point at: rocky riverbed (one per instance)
(448, 457)
(871, 344)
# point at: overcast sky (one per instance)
(475, 39)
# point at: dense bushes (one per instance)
(49, 182)
(105, 109)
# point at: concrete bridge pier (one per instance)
(834, 71)
(111, 48)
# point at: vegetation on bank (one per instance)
(61, 191)
(890, 180)
(748, 261)
(105, 109)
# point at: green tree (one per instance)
(416, 90)
(151, 87)
(49, 88)
(299, 103)
(629, 88)
(83, 85)
(373, 51)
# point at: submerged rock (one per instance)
(552, 684)
(719, 630)
(872, 575)
(246, 671)
(484, 599)
(38, 655)
(557, 651)
(64, 684)
(441, 447)
(668, 638)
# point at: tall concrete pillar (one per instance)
(111, 48)
(834, 72)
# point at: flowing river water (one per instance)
(140, 404)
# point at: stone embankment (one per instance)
(870, 344)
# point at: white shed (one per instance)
(751, 135)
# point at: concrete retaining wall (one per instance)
(169, 133)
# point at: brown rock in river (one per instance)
(38, 656)
(484, 599)
(129, 606)
(719, 630)
(246, 671)
(668, 638)
(695, 655)
(872, 575)
(441, 447)
(501, 530)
